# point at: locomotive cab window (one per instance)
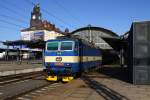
(52, 46)
(66, 46)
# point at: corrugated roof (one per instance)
(95, 28)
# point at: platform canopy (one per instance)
(30, 44)
(116, 42)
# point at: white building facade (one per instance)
(42, 35)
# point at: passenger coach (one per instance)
(67, 58)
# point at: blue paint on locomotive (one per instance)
(62, 53)
(80, 50)
(67, 68)
(88, 51)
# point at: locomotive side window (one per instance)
(52, 46)
(66, 45)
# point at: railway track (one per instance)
(37, 92)
(25, 86)
(4, 80)
(18, 86)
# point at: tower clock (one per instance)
(36, 17)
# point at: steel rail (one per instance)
(19, 77)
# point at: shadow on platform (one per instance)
(104, 91)
(116, 72)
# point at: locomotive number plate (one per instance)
(59, 64)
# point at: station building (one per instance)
(39, 29)
(38, 32)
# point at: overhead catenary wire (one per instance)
(67, 11)
(10, 23)
(7, 17)
(33, 4)
(13, 18)
(56, 17)
(8, 27)
(50, 14)
(15, 5)
(11, 10)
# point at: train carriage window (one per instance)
(52, 46)
(66, 46)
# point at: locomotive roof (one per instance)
(74, 38)
(62, 40)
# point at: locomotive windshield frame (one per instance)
(60, 45)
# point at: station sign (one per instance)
(38, 36)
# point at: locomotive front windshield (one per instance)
(66, 46)
(52, 46)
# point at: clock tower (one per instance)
(36, 21)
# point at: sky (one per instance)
(115, 15)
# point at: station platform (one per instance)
(97, 87)
(9, 68)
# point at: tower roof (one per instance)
(36, 23)
(36, 8)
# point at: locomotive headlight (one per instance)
(68, 64)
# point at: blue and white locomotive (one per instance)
(67, 57)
